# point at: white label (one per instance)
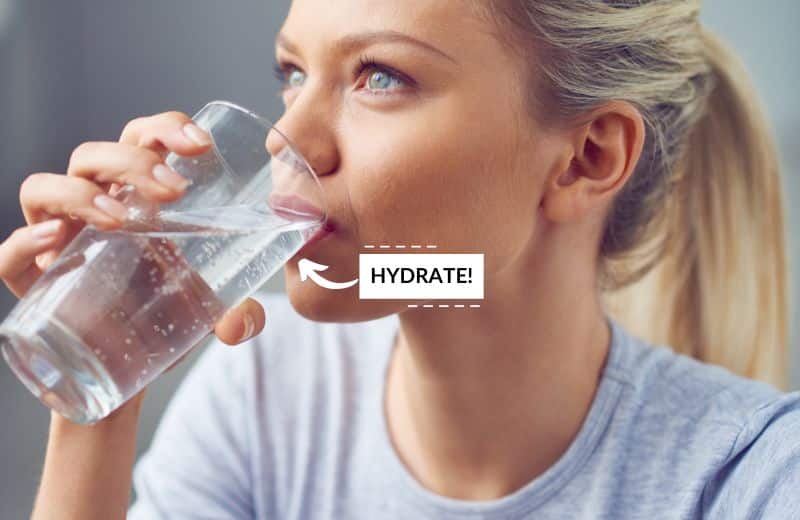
(420, 276)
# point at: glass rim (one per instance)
(268, 125)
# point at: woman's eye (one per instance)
(381, 80)
(288, 75)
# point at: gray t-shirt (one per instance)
(292, 426)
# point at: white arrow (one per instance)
(308, 269)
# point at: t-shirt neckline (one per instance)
(535, 493)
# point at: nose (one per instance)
(309, 131)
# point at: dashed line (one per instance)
(399, 246)
(441, 306)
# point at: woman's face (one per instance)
(430, 145)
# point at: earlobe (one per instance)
(603, 154)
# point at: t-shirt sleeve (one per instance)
(197, 464)
(762, 477)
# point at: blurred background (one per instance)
(77, 71)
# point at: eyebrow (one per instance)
(352, 41)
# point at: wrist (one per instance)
(123, 418)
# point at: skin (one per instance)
(56, 207)
(477, 405)
(438, 164)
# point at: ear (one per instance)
(604, 152)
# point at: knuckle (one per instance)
(131, 127)
(174, 116)
(28, 184)
(79, 152)
(15, 236)
(10, 245)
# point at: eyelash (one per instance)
(282, 71)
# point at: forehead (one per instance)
(445, 23)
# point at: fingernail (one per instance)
(170, 178)
(46, 230)
(111, 207)
(196, 134)
(249, 326)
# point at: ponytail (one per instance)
(719, 292)
(693, 250)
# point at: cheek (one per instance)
(456, 186)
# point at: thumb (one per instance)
(241, 323)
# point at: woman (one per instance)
(611, 163)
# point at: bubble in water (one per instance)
(144, 371)
(126, 357)
(156, 328)
(172, 349)
(128, 341)
(171, 327)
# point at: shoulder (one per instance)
(761, 473)
(671, 384)
(736, 439)
(733, 441)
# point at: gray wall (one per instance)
(77, 71)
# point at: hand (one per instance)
(56, 206)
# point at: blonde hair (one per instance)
(693, 253)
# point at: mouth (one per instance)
(317, 234)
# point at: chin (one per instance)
(325, 305)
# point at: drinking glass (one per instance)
(118, 307)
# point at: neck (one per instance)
(480, 401)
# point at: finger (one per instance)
(241, 323)
(18, 252)
(105, 163)
(168, 131)
(47, 195)
(72, 228)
